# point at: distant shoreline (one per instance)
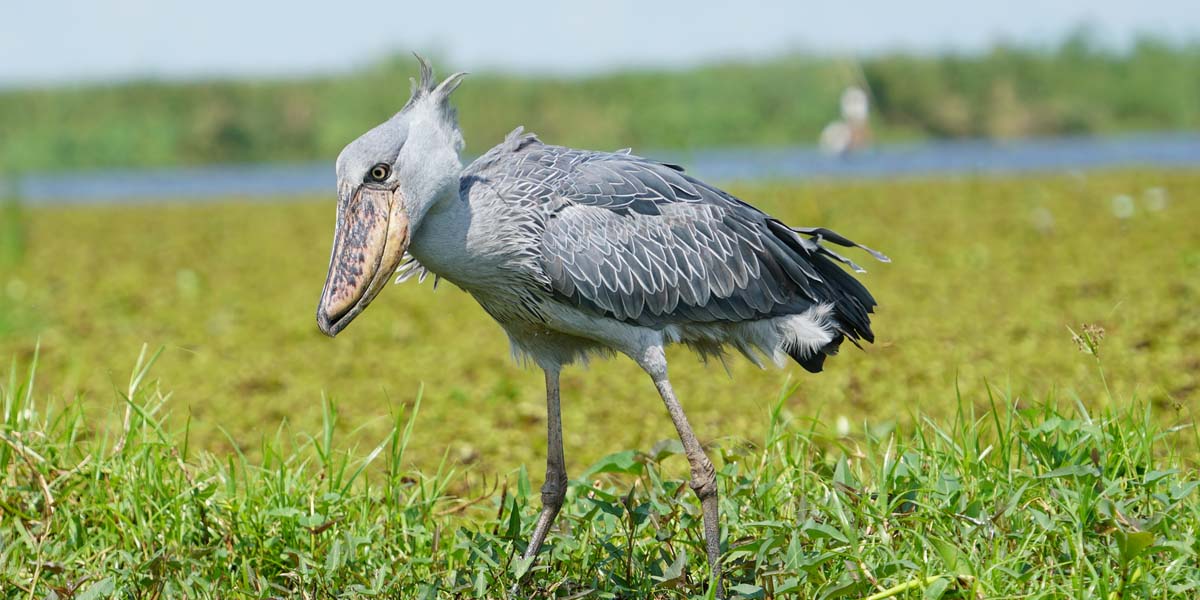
(939, 158)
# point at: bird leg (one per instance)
(704, 480)
(555, 488)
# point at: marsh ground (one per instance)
(987, 275)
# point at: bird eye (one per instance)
(379, 172)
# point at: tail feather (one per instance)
(813, 269)
(815, 362)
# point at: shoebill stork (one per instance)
(575, 253)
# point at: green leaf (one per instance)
(843, 586)
(673, 575)
(821, 530)
(481, 584)
(664, 449)
(521, 566)
(790, 585)
(1152, 476)
(1133, 544)
(100, 589)
(937, 589)
(793, 558)
(748, 591)
(1070, 471)
(514, 520)
(523, 485)
(333, 559)
(1042, 519)
(629, 461)
(956, 562)
(1183, 490)
(608, 507)
(313, 520)
(842, 475)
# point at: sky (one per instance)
(68, 41)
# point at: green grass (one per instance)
(1027, 498)
(1072, 88)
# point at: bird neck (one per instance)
(439, 241)
(430, 185)
(445, 199)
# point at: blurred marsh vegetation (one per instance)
(988, 275)
(1078, 86)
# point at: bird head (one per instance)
(387, 181)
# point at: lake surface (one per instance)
(932, 158)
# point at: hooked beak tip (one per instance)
(329, 326)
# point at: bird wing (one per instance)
(643, 242)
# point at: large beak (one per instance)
(369, 242)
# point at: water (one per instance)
(935, 158)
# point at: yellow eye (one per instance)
(379, 172)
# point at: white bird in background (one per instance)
(853, 131)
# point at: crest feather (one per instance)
(448, 86)
(426, 87)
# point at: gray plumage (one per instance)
(623, 237)
(643, 242)
(575, 252)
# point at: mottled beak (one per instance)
(369, 241)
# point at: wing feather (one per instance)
(644, 242)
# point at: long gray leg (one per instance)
(555, 488)
(704, 480)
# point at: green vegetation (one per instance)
(1078, 87)
(12, 234)
(988, 273)
(1025, 499)
(973, 451)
